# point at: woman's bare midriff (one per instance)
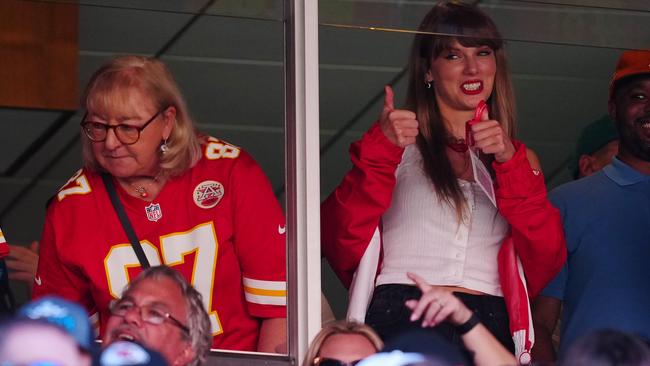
(462, 289)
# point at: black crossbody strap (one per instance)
(126, 224)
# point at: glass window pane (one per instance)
(228, 59)
(561, 55)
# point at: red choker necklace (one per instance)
(456, 144)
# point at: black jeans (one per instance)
(6, 297)
(389, 316)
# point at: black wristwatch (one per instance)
(468, 325)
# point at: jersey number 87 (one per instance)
(201, 240)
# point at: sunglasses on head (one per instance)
(324, 361)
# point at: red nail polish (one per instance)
(469, 136)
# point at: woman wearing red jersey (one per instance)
(196, 204)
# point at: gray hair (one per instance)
(198, 322)
(607, 347)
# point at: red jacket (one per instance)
(352, 213)
(4, 248)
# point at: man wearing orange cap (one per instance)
(606, 219)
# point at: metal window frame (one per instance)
(302, 174)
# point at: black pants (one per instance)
(6, 297)
(389, 316)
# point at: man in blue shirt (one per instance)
(606, 281)
(595, 149)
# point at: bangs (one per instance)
(444, 43)
(466, 25)
(113, 91)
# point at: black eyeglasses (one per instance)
(148, 313)
(127, 134)
(324, 361)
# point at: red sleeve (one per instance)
(536, 225)
(53, 276)
(259, 240)
(350, 215)
(4, 248)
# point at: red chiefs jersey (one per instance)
(219, 224)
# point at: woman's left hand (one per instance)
(436, 305)
(23, 262)
(490, 137)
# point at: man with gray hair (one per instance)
(160, 310)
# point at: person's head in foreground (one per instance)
(48, 329)
(629, 107)
(608, 348)
(342, 344)
(25, 342)
(124, 353)
(431, 345)
(161, 311)
(596, 147)
(399, 358)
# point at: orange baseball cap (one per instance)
(631, 63)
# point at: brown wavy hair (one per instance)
(446, 23)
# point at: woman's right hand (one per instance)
(400, 126)
(436, 305)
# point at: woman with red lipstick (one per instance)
(412, 194)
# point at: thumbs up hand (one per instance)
(400, 126)
(490, 137)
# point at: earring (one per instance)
(427, 83)
(163, 147)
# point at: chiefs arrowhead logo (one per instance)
(207, 194)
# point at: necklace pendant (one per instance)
(141, 191)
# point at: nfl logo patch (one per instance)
(207, 194)
(154, 213)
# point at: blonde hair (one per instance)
(340, 327)
(466, 24)
(107, 88)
